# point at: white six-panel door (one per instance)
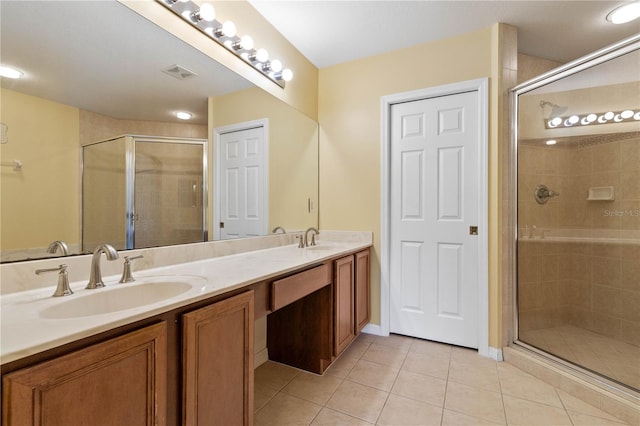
(243, 184)
(434, 190)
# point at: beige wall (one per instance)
(44, 194)
(349, 116)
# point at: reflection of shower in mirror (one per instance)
(556, 110)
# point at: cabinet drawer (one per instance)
(290, 289)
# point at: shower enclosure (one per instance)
(140, 191)
(577, 149)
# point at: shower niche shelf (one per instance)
(601, 193)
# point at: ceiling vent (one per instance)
(179, 72)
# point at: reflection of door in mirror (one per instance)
(143, 192)
(242, 169)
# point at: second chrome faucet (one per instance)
(95, 278)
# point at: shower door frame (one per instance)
(598, 57)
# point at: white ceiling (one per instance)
(333, 32)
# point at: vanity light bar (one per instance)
(204, 18)
(591, 119)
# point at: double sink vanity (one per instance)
(176, 346)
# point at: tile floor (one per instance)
(610, 357)
(398, 380)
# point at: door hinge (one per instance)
(221, 225)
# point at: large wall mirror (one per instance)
(94, 71)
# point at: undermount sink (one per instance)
(319, 248)
(120, 298)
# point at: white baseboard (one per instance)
(260, 358)
(495, 353)
(374, 329)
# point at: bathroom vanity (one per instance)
(187, 359)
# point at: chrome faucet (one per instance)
(278, 228)
(313, 237)
(63, 288)
(54, 246)
(127, 277)
(95, 279)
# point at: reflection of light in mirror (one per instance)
(625, 13)
(592, 118)
(10, 72)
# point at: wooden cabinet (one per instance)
(121, 381)
(362, 296)
(344, 299)
(351, 299)
(218, 363)
(300, 328)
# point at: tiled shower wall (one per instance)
(593, 284)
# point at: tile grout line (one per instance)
(504, 406)
(446, 387)
(394, 382)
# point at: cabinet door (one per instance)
(218, 363)
(344, 303)
(121, 381)
(362, 290)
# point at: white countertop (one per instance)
(24, 330)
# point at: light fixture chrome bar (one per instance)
(578, 120)
(225, 35)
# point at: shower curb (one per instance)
(622, 405)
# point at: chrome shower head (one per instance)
(556, 110)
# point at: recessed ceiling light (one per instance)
(183, 115)
(625, 13)
(10, 72)
(551, 142)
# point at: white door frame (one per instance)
(482, 87)
(217, 133)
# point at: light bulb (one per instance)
(602, 119)
(276, 65)
(626, 114)
(207, 12)
(246, 42)
(229, 29)
(591, 118)
(551, 142)
(262, 55)
(10, 72)
(636, 116)
(574, 119)
(183, 115)
(287, 74)
(609, 115)
(555, 122)
(617, 118)
(625, 13)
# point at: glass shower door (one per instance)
(578, 216)
(104, 201)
